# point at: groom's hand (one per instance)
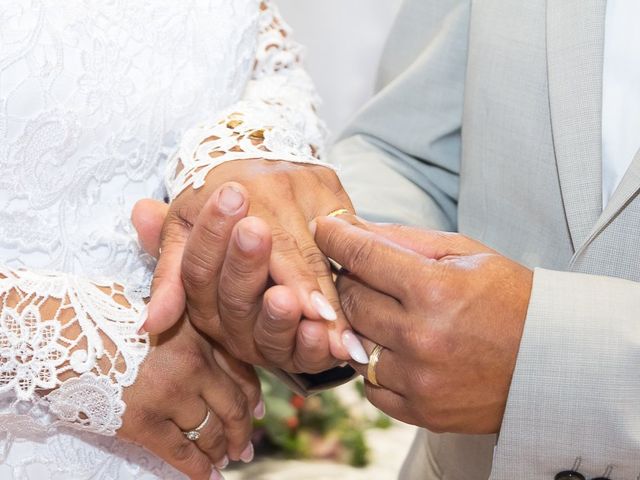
(449, 313)
(286, 196)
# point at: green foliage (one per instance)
(319, 427)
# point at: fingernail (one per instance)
(354, 347)
(224, 463)
(230, 200)
(216, 475)
(142, 319)
(323, 307)
(260, 410)
(247, 454)
(247, 240)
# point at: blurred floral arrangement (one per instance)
(326, 426)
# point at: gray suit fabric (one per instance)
(488, 121)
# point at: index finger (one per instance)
(380, 263)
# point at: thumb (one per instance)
(148, 216)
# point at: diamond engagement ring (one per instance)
(194, 434)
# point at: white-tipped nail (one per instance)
(222, 464)
(216, 475)
(260, 410)
(323, 307)
(247, 454)
(354, 347)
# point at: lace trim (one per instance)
(276, 120)
(75, 337)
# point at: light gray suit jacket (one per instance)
(488, 121)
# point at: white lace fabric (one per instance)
(94, 98)
(276, 119)
(75, 338)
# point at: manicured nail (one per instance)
(323, 307)
(222, 464)
(260, 410)
(247, 454)
(354, 347)
(142, 319)
(230, 200)
(247, 240)
(216, 475)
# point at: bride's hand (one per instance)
(194, 241)
(182, 379)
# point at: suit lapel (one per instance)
(575, 49)
(627, 190)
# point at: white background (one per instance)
(344, 40)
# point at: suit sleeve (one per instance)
(575, 393)
(400, 158)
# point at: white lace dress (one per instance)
(104, 102)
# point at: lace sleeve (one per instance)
(275, 120)
(69, 345)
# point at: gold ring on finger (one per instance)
(340, 211)
(374, 358)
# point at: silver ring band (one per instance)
(194, 434)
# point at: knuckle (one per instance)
(349, 301)
(215, 439)
(238, 410)
(238, 285)
(235, 304)
(193, 360)
(310, 363)
(170, 388)
(283, 241)
(214, 232)
(270, 348)
(182, 215)
(280, 357)
(360, 253)
(316, 259)
(197, 362)
(142, 416)
(196, 272)
(237, 269)
(234, 347)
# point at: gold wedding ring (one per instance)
(335, 266)
(340, 211)
(374, 358)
